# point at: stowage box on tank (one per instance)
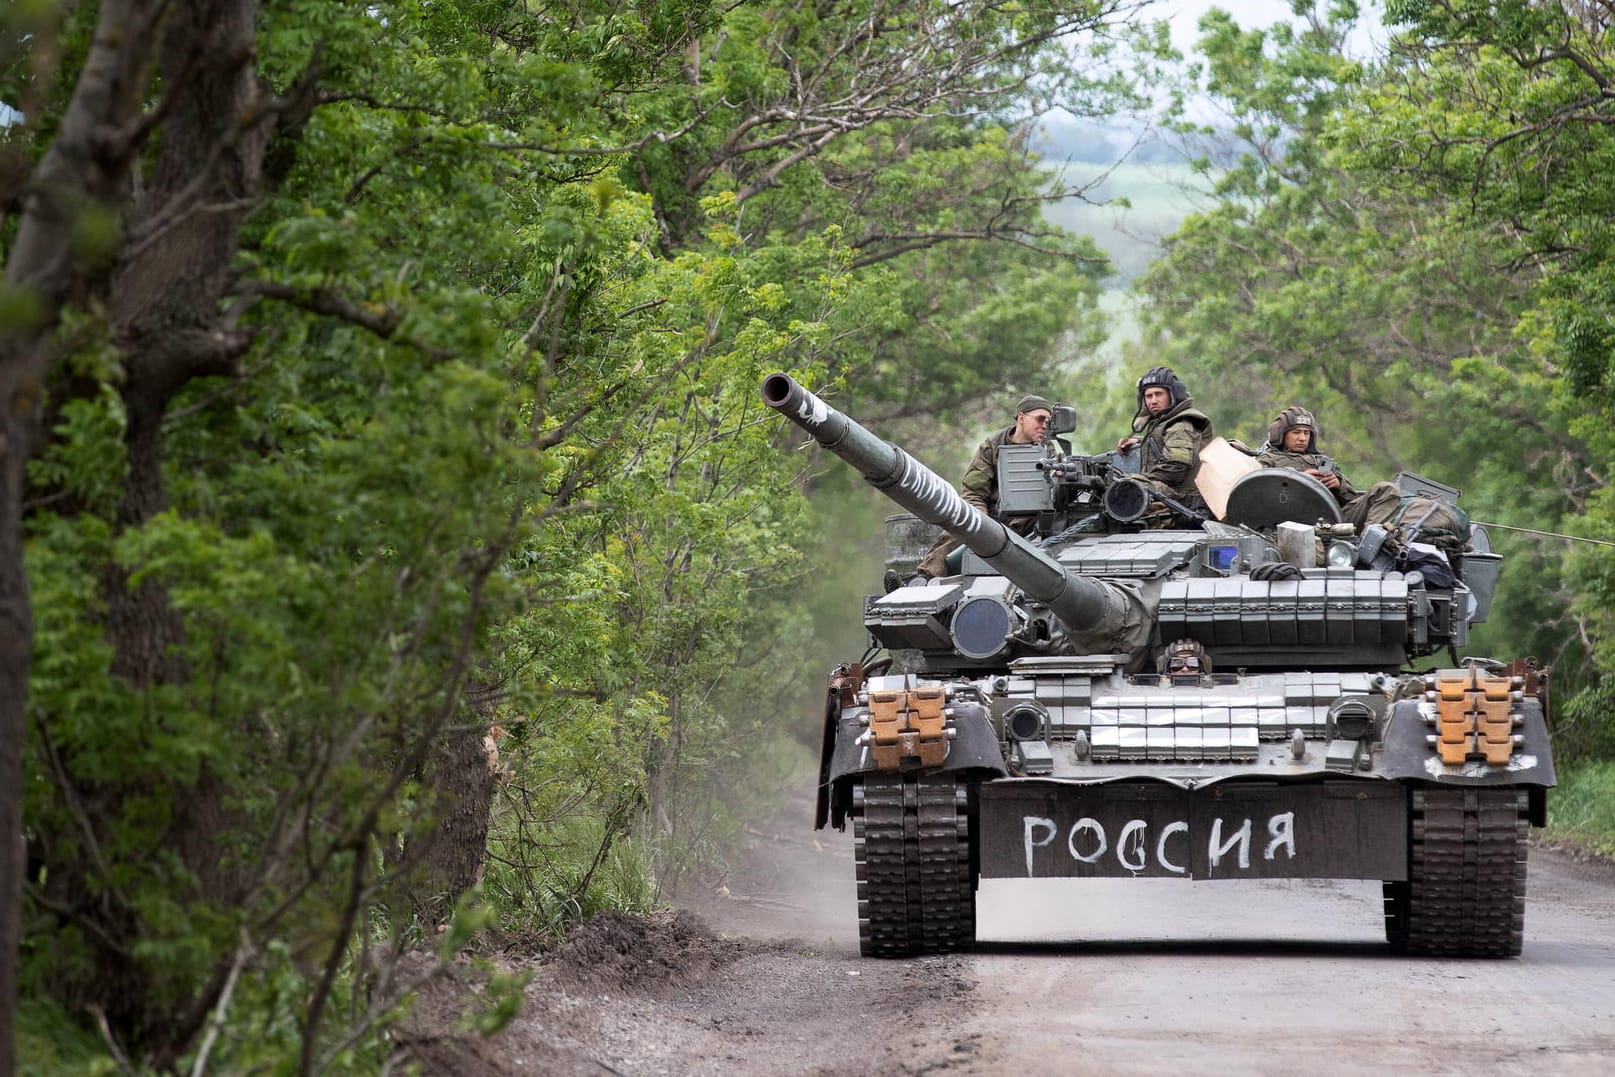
(1102, 700)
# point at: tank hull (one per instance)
(1451, 860)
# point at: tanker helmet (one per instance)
(1287, 420)
(1184, 657)
(1162, 376)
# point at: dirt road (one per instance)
(1093, 977)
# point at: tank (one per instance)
(1234, 699)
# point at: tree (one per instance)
(342, 347)
(270, 512)
(163, 295)
(1363, 265)
(899, 124)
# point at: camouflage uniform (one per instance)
(1170, 443)
(979, 487)
(980, 484)
(1310, 461)
(1274, 454)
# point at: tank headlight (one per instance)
(1341, 555)
(1024, 721)
(981, 626)
(1126, 500)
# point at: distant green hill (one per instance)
(1160, 195)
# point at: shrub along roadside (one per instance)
(1581, 810)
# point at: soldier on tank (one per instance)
(1185, 658)
(979, 486)
(1169, 433)
(1292, 442)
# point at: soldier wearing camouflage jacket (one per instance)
(1170, 434)
(979, 486)
(1292, 442)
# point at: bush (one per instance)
(49, 1043)
(1582, 808)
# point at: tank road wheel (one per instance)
(916, 883)
(1465, 894)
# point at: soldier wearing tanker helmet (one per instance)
(980, 483)
(1169, 433)
(1292, 442)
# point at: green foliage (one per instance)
(1581, 726)
(51, 1044)
(923, 167)
(495, 457)
(1582, 807)
(20, 307)
(260, 1030)
(550, 866)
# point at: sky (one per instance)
(1184, 14)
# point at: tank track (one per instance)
(916, 878)
(1465, 892)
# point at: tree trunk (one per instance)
(162, 298)
(16, 640)
(450, 858)
(165, 311)
(462, 772)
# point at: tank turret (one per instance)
(1094, 580)
(1106, 696)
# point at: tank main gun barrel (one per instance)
(1080, 603)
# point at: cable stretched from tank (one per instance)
(1543, 534)
(1087, 523)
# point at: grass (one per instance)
(1582, 808)
(50, 1044)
